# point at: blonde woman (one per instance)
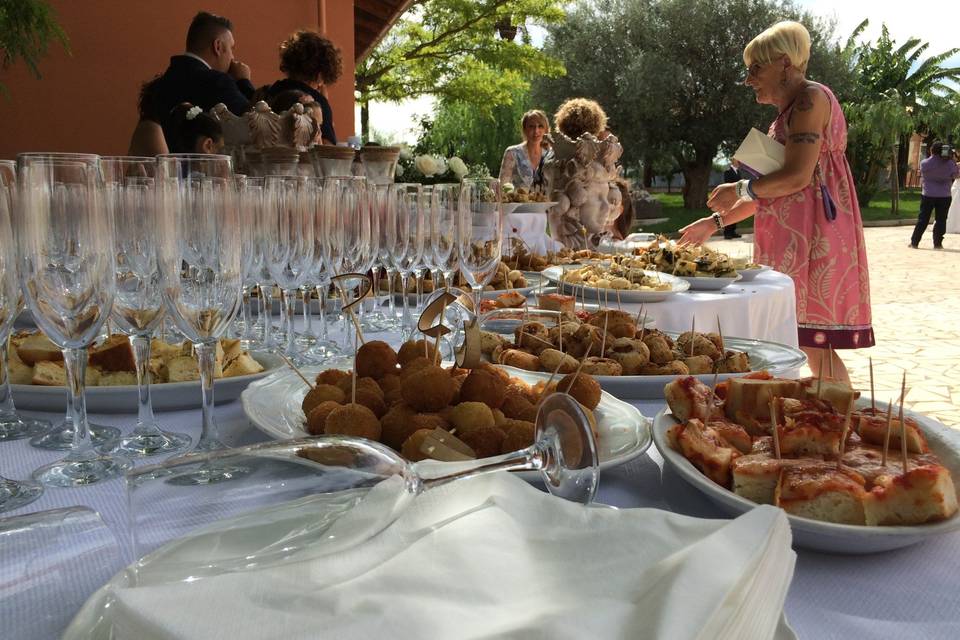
(806, 216)
(522, 164)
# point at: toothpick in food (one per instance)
(886, 438)
(846, 431)
(773, 427)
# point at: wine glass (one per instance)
(319, 496)
(138, 303)
(479, 232)
(13, 426)
(250, 194)
(445, 207)
(200, 264)
(409, 246)
(67, 271)
(13, 494)
(288, 250)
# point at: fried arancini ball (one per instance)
(498, 417)
(520, 387)
(601, 367)
(631, 361)
(489, 341)
(457, 383)
(619, 324)
(517, 407)
(699, 364)
(322, 393)
(396, 426)
(569, 329)
(392, 397)
(520, 435)
(353, 420)
(485, 441)
(702, 345)
(317, 418)
(332, 376)
(483, 386)
(519, 359)
(389, 382)
(414, 349)
(468, 416)
(411, 446)
(660, 351)
(346, 385)
(429, 421)
(376, 359)
(428, 390)
(552, 360)
(586, 337)
(584, 388)
(413, 366)
(495, 370)
(372, 401)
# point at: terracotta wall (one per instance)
(87, 101)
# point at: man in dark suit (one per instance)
(205, 75)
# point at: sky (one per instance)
(936, 21)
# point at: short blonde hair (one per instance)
(785, 38)
(535, 115)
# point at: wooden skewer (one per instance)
(619, 308)
(846, 430)
(693, 334)
(820, 375)
(643, 326)
(639, 311)
(873, 400)
(543, 393)
(773, 427)
(903, 425)
(723, 346)
(560, 332)
(886, 438)
(577, 372)
(296, 370)
(830, 353)
(603, 339)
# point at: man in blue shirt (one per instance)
(937, 172)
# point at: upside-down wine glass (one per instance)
(67, 270)
(250, 194)
(200, 265)
(13, 494)
(320, 496)
(385, 205)
(138, 303)
(13, 426)
(479, 232)
(289, 251)
(410, 241)
(324, 268)
(445, 206)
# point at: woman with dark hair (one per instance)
(195, 131)
(620, 228)
(147, 138)
(310, 62)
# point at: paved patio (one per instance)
(916, 319)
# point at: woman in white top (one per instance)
(522, 163)
(953, 215)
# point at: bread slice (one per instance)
(867, 460)
(748, 400)
(704, 448)
(688, 398)
(18, 371)
(38, 348)
(873, 429)
(231, 348)
(556, 302)
(755, 476)
(163, 350)
(114, 354)
(242, 365)
(821, 492)
(49, 374)
(733, 434)
(838, 394)
(182, 369)
(923, 494)
(118, 378)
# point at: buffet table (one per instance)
(909, 593)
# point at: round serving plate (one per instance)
(273, 406)
(677, 285)
(709, 283)
(827, 536)
(746, 275)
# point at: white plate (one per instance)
(535, 282)
(273, 406)
(708, 283)
(826, 536)
(746, 275)
(168, 396)
(678, 285)
(510, 319)
(532, 207)
(779, 359)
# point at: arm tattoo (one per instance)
(805, 137)
(804, 102)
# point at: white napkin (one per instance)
(760, 153)
(491, 557)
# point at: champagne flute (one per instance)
(13, 426)
(67, 273)
(289, 251)
(13, 494)
(200, 264)
(251, 211)
(479, 232)
(444, 236)
(138, 304)
(410, 237)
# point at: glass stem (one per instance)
(406, 324)
(247, 334)
(267, 297)
(141, 359)
(375, 292)
(322, 297)
(307, 315)
(207, 358)
(390, 301)
(7, 410)
(477, 293)
(419, 277)
(289, 299)
(531, 458)
(75, 363)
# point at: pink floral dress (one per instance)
(826, 258)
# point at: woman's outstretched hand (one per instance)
(724, 198)
(697, 232)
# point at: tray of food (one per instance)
(405, 397)
(617, 280)
(38, 378)
(826, 467)
(500, 317)
(521, 258)
(706, 269)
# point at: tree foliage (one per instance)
(670, 74)
(450, 49)
(27, 27)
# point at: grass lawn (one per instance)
(879, 209)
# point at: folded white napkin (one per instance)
(490, 557)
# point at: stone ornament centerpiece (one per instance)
(580, 176)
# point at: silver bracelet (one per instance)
(744, 192)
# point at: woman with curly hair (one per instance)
(578, 116)
(310, 62)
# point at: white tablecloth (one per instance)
(910, 593)
(532, 229)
